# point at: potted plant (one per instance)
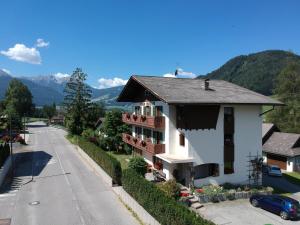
(143, 143)
(134, 116)
(134, 139)
(143, 117)
(127, 115)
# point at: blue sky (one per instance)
(115, 39)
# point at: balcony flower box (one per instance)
(134, 140)
(143, 143)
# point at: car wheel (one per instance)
(254, 202)
(284, 215)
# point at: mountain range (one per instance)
(49, 89)
(256, 72)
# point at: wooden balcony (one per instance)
(147, 146)
(155, 122)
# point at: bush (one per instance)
(163, 208)
(107, 162)
(170, 188)
(139, 165)
(88, 133)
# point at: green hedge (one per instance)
(164, 209)
(110, 164)
(4, 153)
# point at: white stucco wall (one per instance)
(206, 146)
(290, 164)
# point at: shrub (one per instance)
(163, 208)
(88, 133)
(170, 188)
(107, 162)
(138, 164)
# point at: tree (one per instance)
(112, 128)
(49, 111)
(95, 111)
(19, 98)
(77, 102)
(287, 90)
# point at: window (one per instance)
(158, 137)
(147, 133)
(138, 131)
(228, 139)
(228, 167)
(147, 110)
(137, 110)
(181, 139)
(206, 170)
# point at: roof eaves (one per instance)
(135, 77)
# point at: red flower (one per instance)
(199, 190)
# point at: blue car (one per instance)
(286, 207)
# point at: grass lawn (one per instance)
(292, 177)
(122, 158)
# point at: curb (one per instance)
(143, 215)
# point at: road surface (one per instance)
(54, 186)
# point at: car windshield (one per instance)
(275, 168)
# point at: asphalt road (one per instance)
(54, 186)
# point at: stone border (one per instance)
(5, 169)
(143, 215)
(204, 198)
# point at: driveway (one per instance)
(54, 186)
(283, 184)
(241, 212)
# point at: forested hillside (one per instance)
(255, 71)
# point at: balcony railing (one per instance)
(146, 145)
(156, 122)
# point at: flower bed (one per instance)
(215, 193)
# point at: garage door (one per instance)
(277, 160)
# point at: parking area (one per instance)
(241, 212)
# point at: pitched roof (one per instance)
(192, 91)
(283, 144)
(266, 127)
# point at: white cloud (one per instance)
(40, 43)
(61, 77)
(6, 71)
(22, 53)
(181, 74)
(107, 83)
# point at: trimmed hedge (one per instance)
(108, 163)
(4, 153)
(163, 208)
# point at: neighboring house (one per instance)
(59, 119)
(281, 149)
(195, 129)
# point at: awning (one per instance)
(174, 158)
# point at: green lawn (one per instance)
(122, 158)
(293, 177)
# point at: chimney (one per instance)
(206, 84)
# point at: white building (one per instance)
(195, 129)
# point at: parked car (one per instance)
(286, 207)
(274, 170)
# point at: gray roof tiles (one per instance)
(183, 90)
(282, 144)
